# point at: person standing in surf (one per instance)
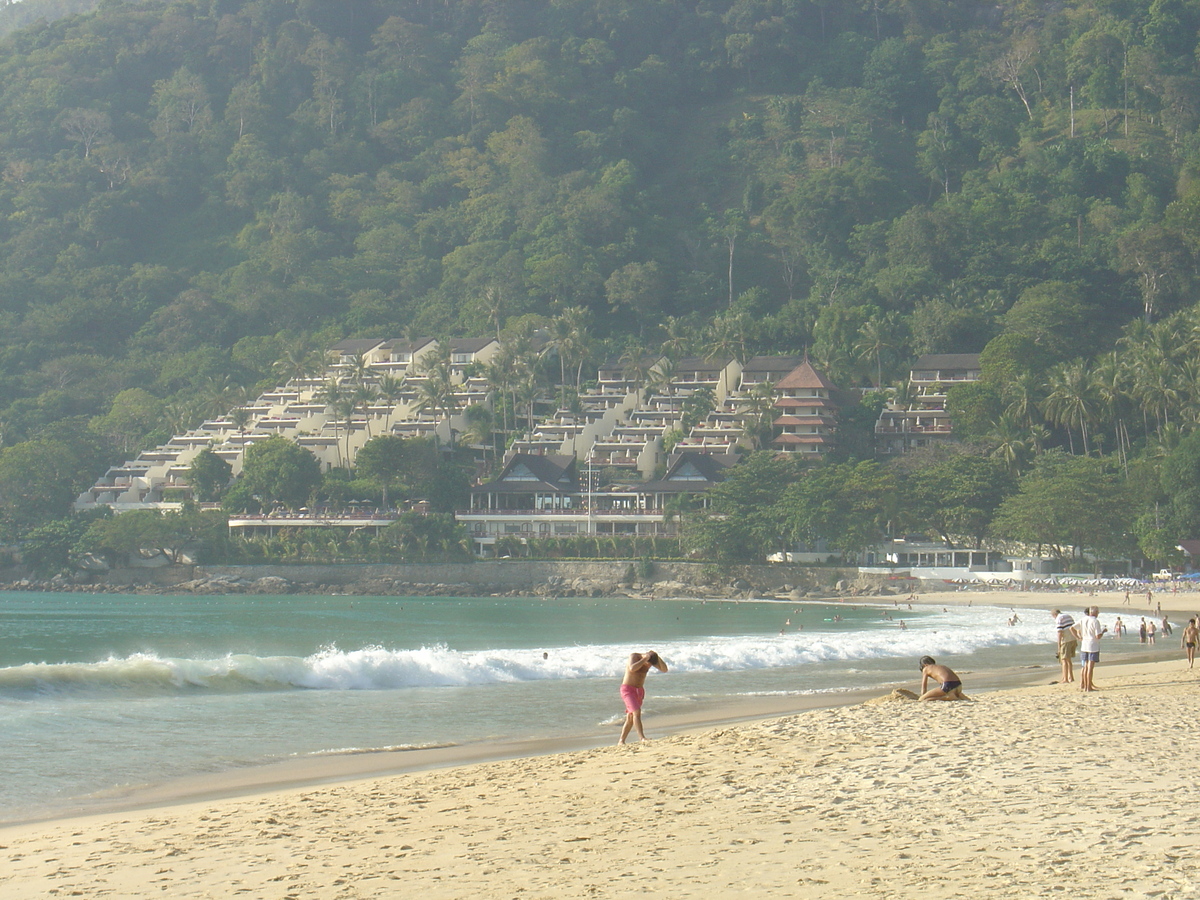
(633, 690)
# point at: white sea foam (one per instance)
(383, 668)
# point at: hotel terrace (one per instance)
(600, 467)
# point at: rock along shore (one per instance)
(508, 578)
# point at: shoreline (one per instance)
(353, 765)
(818, 801)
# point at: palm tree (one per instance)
(1109, 385)
(679, 337)
(493, 304)
(332, 394)
(359, 370)
(901, 394)
(1011, 443)
(364, 396)
(240, 417)
(558, 344)
(390, 390)
(636, 364)
(662, 377)
(528, 392)
(220, 394)
(758, 415)
(500, 373)
(878, 338)
(1024, 395)
(344, 409)
(582, 345)
(727, 337)
(300, 360)
(1151, 359)
(1070, 401)
(436, 394)
(479, 426)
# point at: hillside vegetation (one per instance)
(189, 189)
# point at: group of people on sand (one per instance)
(1085, 637)
(1082, 637)
(946, 686)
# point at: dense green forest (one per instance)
(190, 188)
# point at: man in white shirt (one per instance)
(1089, 632)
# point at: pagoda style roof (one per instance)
(804, 376)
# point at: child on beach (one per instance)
(950, 687)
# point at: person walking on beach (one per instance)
(1089, 632)
(633, 690)
(1065, 654)
(949, 687)
(1150, 632)
(1188, 641)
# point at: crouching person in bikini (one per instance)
(949, 685)
(633, 690)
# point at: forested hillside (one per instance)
(190, 188)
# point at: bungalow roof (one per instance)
(406, 346)
(356, 345)
(770, 365)
(690, 470)
(470, 345)
(702, 364)
(529, 472)
(947, 361)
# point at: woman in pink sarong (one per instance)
(633, 690)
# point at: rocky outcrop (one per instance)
(541, 578)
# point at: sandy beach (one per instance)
(1026, 792)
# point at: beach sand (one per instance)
(1027, 792)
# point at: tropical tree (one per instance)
(744, 521)
(849, 505)
(662, 377)
(300, 361)
(1071, 504)
(879, 338)
(757, 414)
(274, 471)
(569, 342)
(1071, 401)
(956, 494)
(1011, 444)
(389, 462)
(365, 396)
(208, 475)
(390, 390)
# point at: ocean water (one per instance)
(101, 692)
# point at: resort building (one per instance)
(541, 496)
(921, 419)
(807, 419)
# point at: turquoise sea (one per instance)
(100, 692)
